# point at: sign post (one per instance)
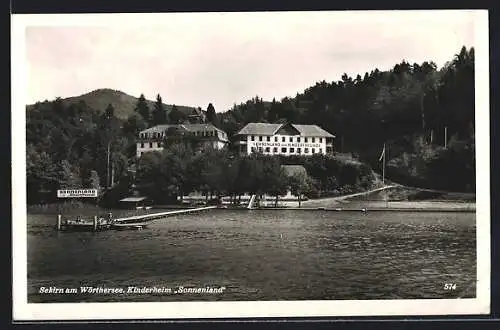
(77, 193)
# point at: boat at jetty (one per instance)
(109, 223)
(101, 225)
(80, 224)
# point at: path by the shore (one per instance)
(353, 201)
(345, 197)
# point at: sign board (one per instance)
(287, 144)
(76, 193)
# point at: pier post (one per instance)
(59, 217)
(95, 223)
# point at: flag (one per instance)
(382, 155)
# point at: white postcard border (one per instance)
(24, 311)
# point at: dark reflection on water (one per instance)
(262, 255)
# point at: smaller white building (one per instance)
(153, 138)
(284, 139)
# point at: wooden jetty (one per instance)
(96, 224)
(137, 222)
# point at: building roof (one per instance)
(199, 127)
(156, 129)
(271, 129)
(187, 127)
(259, 129)
(291, 170)
(312, 130)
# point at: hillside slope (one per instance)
(123, 103)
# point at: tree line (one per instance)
(409, 98)
(144, 117)
(68, 145)
(180, 170)
(425, 115)
(415, 108)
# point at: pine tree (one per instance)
(142, 108)
(159, 115)
(273, 113)
(176, 116)
(212, 115)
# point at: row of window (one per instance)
(283, 139)
(155, 135)
(159, 144)
(150, 144)
(283, 150)
(205, 133)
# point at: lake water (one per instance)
(260, 255)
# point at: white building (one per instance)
(284, 139)
(153, 138)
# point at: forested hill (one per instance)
(378, 105)
(411, 107)
(123, 103)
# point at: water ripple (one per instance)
(263, 255)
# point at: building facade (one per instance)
(283, 139)
(154, 138)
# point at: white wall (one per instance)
(319, 147)
(156, 147)
(147, 148)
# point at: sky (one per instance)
(225, 58)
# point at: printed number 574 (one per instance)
(450, 286)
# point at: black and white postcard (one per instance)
(250, 164)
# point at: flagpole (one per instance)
(383, 179)
(107, 167)
(383, 165)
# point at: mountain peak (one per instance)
(123, 103)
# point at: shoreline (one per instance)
(341, 206)
(356, 202)
(361, 210)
